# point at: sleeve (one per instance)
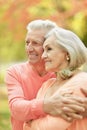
(21, 108)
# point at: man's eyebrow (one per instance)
(26, 40)
(40, 41)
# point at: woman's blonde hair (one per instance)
(72, 44)
(74, 47)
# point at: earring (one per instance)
(67, 58)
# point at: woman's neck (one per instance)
(69, 73)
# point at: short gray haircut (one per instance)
(43, 25)
(72, 44)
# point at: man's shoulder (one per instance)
(17, 67)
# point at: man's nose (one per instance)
(30, 47)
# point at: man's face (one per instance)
(34, 46)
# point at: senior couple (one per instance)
(49, 90)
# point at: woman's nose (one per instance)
(44, 55)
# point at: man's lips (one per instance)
(33, 55)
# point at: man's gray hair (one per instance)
(44, 25)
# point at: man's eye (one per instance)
(35, 43)
(27, 42)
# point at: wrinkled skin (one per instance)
(67, 106)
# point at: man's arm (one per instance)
(21, 108)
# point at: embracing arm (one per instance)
(47, 122)
(20, 107)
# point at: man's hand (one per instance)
(67, 107)
(82, 102)
(54, 107)
(84, 91)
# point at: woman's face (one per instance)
(53, 55)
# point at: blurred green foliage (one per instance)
(4, 115)
(15, 15)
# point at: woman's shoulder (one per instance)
(82, 76)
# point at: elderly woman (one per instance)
(63, 53)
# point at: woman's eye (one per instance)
(49, 48)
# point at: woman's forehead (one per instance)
(50, 39)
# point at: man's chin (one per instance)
(33, 62)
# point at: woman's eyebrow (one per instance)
(45, 46)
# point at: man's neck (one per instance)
(40, 69)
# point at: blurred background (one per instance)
(14, 17)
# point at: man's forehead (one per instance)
(36, 36)
(36, 32)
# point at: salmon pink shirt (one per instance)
(23, 84)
